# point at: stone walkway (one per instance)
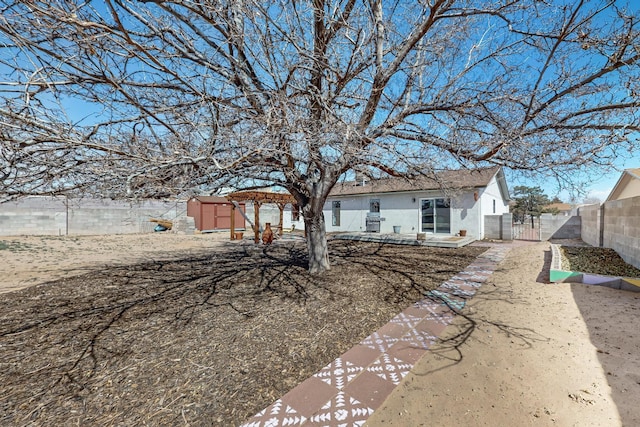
(349, 389)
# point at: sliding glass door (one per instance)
(435, 216)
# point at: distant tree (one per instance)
(592, 200)
(556, 199)
(530, 202)
(153, 97)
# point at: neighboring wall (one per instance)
(621, 228)
(590, 226)
(559, 227)
(615, 225)
(59, 216)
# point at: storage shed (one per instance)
(214, 213)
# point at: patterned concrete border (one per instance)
(348, 390)
(557, 274)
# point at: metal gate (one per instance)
(528, 230)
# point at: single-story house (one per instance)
(447, 203)
(562, 209)
(628, 185)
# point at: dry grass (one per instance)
(203, 340)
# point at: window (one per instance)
(335, 213)
(494, 205)
(374, 206)
(295, 213)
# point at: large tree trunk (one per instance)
(317, 242)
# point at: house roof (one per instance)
(627, 176)
(449, 179)
(562, 207)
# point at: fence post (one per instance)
(507, 227)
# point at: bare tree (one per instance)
(145, 98)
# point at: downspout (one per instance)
(480, 217)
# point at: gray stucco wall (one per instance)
(59, 216)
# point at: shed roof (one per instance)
(448, 179)
(210, 199)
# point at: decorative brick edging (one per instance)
(557, 274)
(349, 389)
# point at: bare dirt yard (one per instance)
(164, 329)
(526, 352)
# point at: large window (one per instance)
(335, 213)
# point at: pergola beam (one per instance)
(258, 198)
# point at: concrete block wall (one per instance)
(59, 216)
(507, 226)
(621, 228)
(559, 227)
(498, 227)
(590, 224)
(34, 215)
(493, 227)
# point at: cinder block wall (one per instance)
(621, 224)
(34, 215)
(59, 216)
(493, 227)
(590, 224)
(507, 226)
(97, 216)
(559, 227)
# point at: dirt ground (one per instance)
(28, 260)
(119, 343)
(195, 331)
(528, 353)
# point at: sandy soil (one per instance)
(528, 353)
(29, 260)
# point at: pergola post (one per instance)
(256, 222)
(280, 226)
(233, 221)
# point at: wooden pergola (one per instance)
(258, 198)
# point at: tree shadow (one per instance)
(543, 276)
(409, 278)
(470, 318)
(611, 317)
(67, 343)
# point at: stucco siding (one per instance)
(403, 210)
(632, 189)
(491, 203)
